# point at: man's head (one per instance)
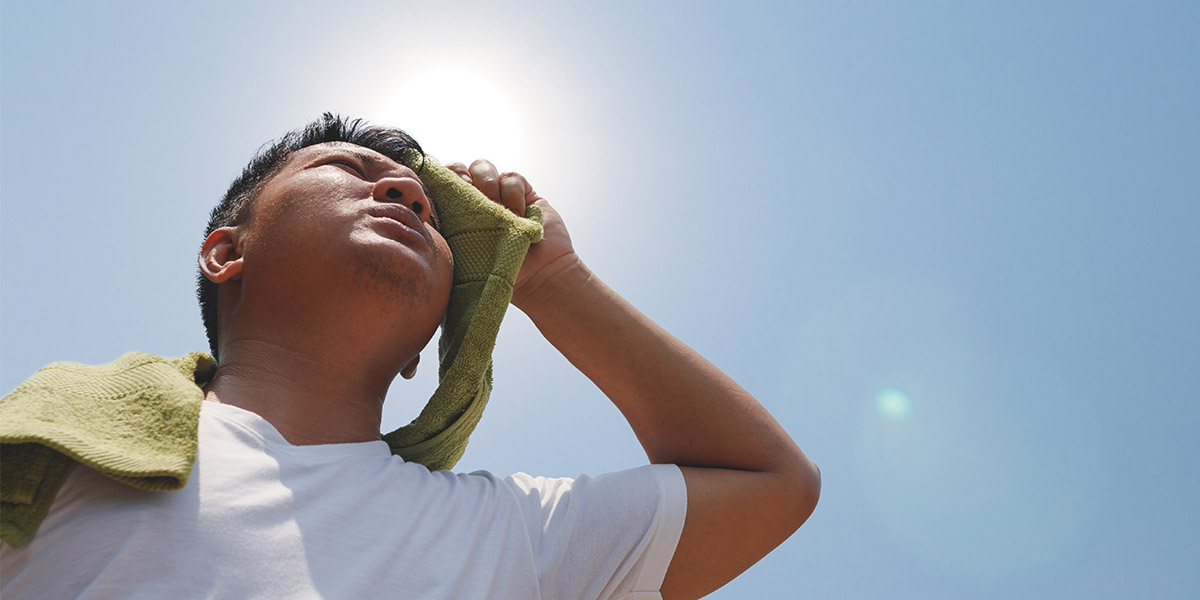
(326, 219)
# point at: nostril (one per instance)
(416, 207)
(394, 193)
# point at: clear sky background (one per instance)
(952, 246)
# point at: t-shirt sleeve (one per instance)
(609, 536)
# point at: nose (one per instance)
(406, 191)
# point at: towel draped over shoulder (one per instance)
(135, 419)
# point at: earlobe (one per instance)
(220, 260)
(411, 368)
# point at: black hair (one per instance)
(237, 203)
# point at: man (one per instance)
(324, 275)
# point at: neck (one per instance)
(307, 397)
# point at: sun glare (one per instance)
(458, 116)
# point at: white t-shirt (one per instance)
(261, 518)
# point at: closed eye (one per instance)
(353, 167)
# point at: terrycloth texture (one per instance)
(488, 243)
(133, 419)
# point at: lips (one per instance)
(402, 216)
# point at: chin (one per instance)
(382, 277)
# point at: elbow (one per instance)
(815, 485)
(805, 492)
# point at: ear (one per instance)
(220, 260)
(411, 368)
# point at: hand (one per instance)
(552, 255)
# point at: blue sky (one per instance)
(951, 246)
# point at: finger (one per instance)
(530, 195)
(485, 178)
(512, 192)
(461, 170)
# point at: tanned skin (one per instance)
(326, 297)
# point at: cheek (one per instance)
(444, 257)
(293, 232)
(309, 197)
(442, 265)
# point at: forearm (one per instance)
(748, 485)
(682, 408)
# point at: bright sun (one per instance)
(458, 117)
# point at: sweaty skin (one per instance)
(332, 288)
(336, 282)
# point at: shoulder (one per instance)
(630, 522)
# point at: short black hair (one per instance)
(235, 206)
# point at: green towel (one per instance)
(488, 243)
(135, 419)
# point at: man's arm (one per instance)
(749, 486)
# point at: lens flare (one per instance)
(893, 404)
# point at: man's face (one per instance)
(339, 219)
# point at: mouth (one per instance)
(402, 218)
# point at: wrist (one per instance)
(551, 285)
